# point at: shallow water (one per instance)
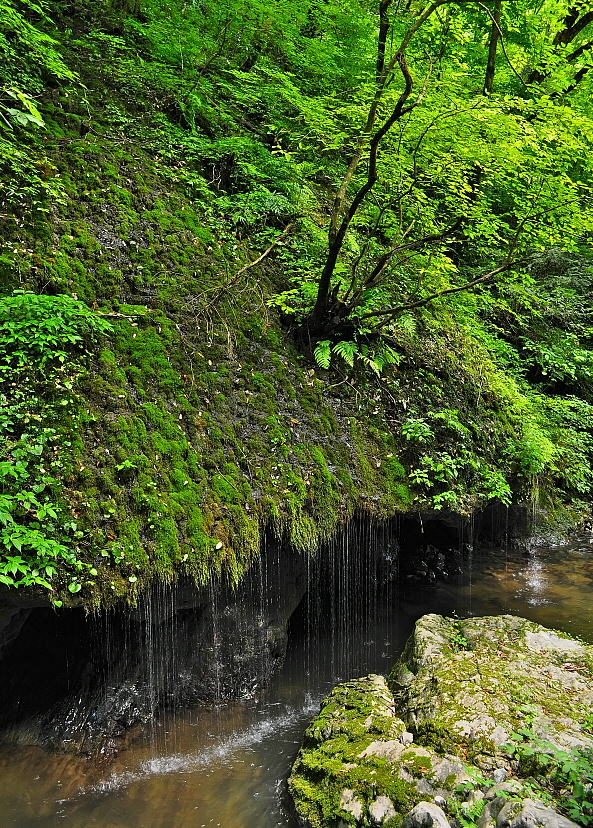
(227, 766)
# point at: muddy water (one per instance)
(226, 766)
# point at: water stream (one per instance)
(226, 765)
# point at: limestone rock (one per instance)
(437, 733)
(426, 815)
(529, 814)
(350, 804)
(490, 812)
(461, 676)
(381, 810)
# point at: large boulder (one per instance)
(472, 684)
(452, 735)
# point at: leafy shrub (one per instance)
(567, 774)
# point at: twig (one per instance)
(421, 302)
(263, 255)
(254, 263)
(121, 315)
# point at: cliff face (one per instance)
(198, 420)
(103, 674)
(184, 415)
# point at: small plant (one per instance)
(469, 815)
(18, 108)
(349, 352)
(441, 471)
(42, 341)
(457, 639)
(566, 774)
(418, 430)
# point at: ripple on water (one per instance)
(219, 753)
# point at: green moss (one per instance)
(202, 421)
(433, 735)
(354, 715)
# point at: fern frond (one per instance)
(346, 350)
(322, 353)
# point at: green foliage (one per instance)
(375, 358)
(29, 54)
(29, 58)
(41, 344)
(197, 135)
(322, 353)
(469, 815)
(417, 429)
(567, 775)
(24, 116)
(39, 332)
(458, 639)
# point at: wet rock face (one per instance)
(181, 645)
(452, 733)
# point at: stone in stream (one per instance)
(440, 730)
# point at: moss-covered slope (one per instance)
(198, 418)
(201, 422)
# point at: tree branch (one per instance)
(255, 262)
(447, 292)
(573, 26)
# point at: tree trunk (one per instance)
(383, 32)
(492, 48)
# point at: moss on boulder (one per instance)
(466, 704)
(481, 679)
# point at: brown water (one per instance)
(227, 766)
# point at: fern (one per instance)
(407, 325)
(390, 357)
(346, 350)
(370, 363)
(322, 353)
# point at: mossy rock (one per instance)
(442, 727)
(357, 760)
(478, 681)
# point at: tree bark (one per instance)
(341, 215)
(383, 32)
(321, 307)
(573, 26)
(492, 48)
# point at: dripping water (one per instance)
(359, 598)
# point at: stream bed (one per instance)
(226, 765)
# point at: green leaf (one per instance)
(322, 353)
(347, 351)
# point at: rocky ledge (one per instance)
(482, 722)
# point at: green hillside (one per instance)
(267, 264)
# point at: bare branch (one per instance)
(265, 254)
(234, 279)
